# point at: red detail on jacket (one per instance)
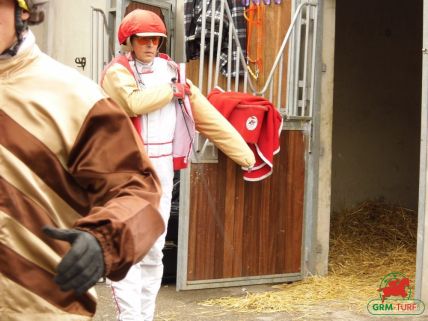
(179, 161)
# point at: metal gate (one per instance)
(233, 232)
(101, 51)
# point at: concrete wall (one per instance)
(377, 90)
(66, 33)
(319, 160)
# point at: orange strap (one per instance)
(252, 22)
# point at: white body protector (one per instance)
(136, 294)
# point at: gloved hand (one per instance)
(180, 90)
(83, 265)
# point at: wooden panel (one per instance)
(240, 228)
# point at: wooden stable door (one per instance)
(246, 232)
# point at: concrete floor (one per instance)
(185, 306)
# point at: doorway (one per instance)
(377, 101)
(377, 109)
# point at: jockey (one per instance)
(150, 88)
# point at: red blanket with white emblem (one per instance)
(267, 143)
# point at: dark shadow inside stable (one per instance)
(377, 103)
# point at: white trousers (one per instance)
(135, 295)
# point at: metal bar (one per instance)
(290, 76)
(184, 219)
(106, 26)
(168, 20)
(263, 278)
(291, 117)
(240, 281)
(315, 31)
(103, 16)
(237, 69)
(296, 124)
(210, 64)
(219, 40)
(280, 76)
(245, 80)
(120, 9)
(201, 56)
(305, 62)
(229, 61)
(92, 45)
(204, 146)
(298, 38)
(312, 210)
(103, 52)
(97, 54)
(291, 73)
(420, 278)
(422, 237)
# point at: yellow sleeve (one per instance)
(120, 85)
(213, 125)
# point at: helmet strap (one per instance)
(161, 43)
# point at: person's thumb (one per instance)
(60, 234)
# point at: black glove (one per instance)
(83, 265)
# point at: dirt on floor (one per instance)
(186, 306)
(368, 241)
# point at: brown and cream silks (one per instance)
(69, 158)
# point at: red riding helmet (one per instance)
(140, 22)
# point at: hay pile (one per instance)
(366, 244)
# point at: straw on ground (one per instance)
(366, 243)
